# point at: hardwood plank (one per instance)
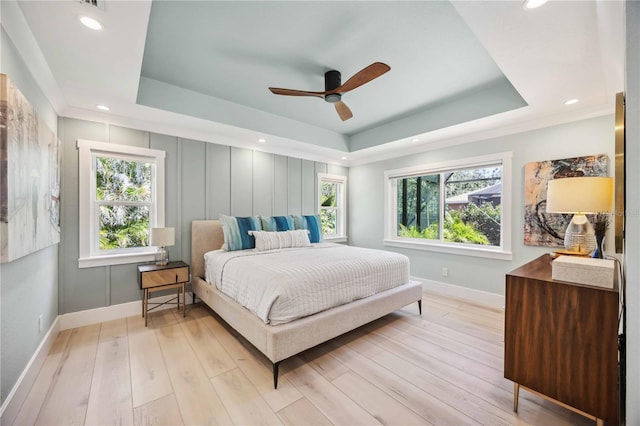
(67, 401)
(242, 401)
(209, 351)
(161, 412)
(197, 400)
(410, 333)
(39, 391)
(27, 415)
(439, 368)
(112, 330)
(60, 343)
(445, 317)
(497, 391)
(254, 365)
(463, 305)
(302, 412)
(163, 318)
(135, 325)
(422, 403)
(320, 359)
(377, 403)
(493, 347)
(457, 398)
(333, 403)
(358, 339)
(110, 399)
(149, 375)
(492, 374)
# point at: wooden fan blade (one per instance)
(364, 76)
(343, 111)
(291, 92)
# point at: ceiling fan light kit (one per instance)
(333, 98)
(333, 89)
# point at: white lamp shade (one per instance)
(587, 194)
(162, 237)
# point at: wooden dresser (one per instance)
(561, 341)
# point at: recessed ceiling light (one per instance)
(532, 4)
(343, 158)
(103, 107)
(414, 140)
(572, 101)
(262, 140)
(89, 22)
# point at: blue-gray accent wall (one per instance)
(202, 180)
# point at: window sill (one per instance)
(118, 259)
(335, 239)
(462, 250)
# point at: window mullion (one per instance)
(441, 205)
(124, 203)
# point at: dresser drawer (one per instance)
(164, 277)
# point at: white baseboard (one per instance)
(480, 297)
(18, 394)
(109, 313)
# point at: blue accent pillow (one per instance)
(276, 223)
(236, 231)
(310, 223)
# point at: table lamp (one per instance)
(162, 238)
(580, 195)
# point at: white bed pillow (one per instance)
(284, 239)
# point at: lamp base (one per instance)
(162, 256)
(580, 236)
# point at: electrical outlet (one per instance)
(445, 272)
(40, 323)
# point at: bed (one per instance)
(281, 341)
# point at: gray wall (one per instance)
(366, 197)
(202, 181)
(29, 285)
(632, 218)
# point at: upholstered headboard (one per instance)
(206, 235)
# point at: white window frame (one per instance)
(502, 252)
(341, 206)
(90, 254)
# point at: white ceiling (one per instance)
(460, 71)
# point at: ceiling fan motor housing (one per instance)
(332, 80)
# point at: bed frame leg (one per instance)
(420, 306)
(276, 366)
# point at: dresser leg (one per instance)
(516, 392)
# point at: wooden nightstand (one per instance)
(154, 277)
(561, 341)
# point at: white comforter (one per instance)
(282, 285)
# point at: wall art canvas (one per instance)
(30, 156)
(547, 229)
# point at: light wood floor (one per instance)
(443, 368)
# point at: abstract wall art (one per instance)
(547, 229)
(29, 177)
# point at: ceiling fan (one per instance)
(333, 90)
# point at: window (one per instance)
(332, 196)
(454, 207)
(121, 197)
